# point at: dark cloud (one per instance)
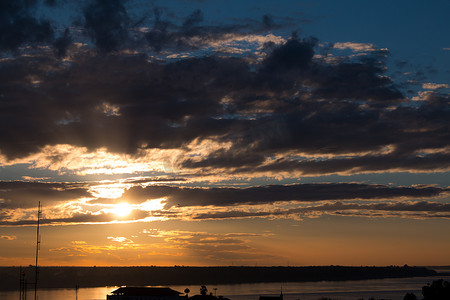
(110, 28)
(183, 196)
(159, 36)
(22, 194)
(19, 27)
(157, 179)
(294, 54)
(343, 128)
(356, 81)
(276, 114)
(165, 105)
(392, 215)
(62, 43)
(364, 163)
(107, 22)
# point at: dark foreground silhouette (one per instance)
(124, 293)
(437, 290)
(68, 277)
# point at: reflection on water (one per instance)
(62, 294)
(394, 289)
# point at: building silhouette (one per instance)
(145, 293)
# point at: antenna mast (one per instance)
(38, 242)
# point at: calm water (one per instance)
(393, 289)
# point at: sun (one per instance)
(122, 209)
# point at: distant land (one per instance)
(445, 270)
(69, 277)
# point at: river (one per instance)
(394, 289)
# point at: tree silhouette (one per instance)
(437, 290)
(410, 296)
(203, 290)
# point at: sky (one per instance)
(219, 133)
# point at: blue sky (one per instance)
(225, 132)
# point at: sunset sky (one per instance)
(219, 132)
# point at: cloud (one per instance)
(62, 43)
(106, 22)
(66, 203)
(166, 34)
(434, 86)
(237, 247)
(396, 162)
(120, 239)
(19, 27)
(25, 194)
(174, 118)
(84, 249)
(185, 197)
(8, 237)
(356, 47)
(214, 246)
(278, 109)
(323, 141)
(86, 217)
(405, 209)
(420, 216)
(79, 242)
(294, 54)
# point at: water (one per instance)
(394, 289)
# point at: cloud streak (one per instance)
(183, 196)
(77, 204)
(415, 210)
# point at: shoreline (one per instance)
(68, 277)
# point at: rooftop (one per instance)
(145, 291)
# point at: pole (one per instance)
(22, 283)
(38, 242)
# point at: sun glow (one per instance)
(111, 191)
(151, 205)
(122, 209)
